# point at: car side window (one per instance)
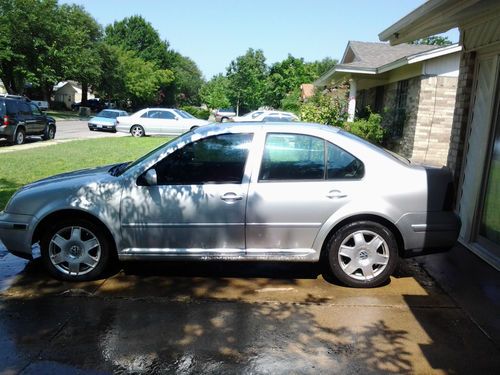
(25, 109)
(35, 110)
(293, 157)
(341, 165)
(145, 114)
(167, 115)
(213, 160)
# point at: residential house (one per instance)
(412, 86)
(474, 154)
(69, 92)
(306, 91)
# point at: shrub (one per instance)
(58, 106)
(197, 112)
(324, 109)
(369, 129)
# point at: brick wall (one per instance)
(461, 113)
(434, 120)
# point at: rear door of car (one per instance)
(197, 208)
(301, 182)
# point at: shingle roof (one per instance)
(374, 55)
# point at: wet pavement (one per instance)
(219, 318)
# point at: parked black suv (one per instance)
(20, 118)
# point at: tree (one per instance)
(188, 80)
(142, 79)
(320, 67)
(31, 44)
(247, 80)
(435, 40)
(284, 77)
(83, 61)
(136, 34)
(215, 93)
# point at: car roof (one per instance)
(298, 126)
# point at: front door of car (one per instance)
(197, 206)
(302, 181)
(38, 118)
(165, 122)
(30, 122)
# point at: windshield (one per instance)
(108, 114)
(144, 157)
(183, 114)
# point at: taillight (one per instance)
(6, 120)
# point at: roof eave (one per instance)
(428, 19)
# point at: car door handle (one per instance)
(335, 194)
(231, 197)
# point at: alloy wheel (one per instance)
(363, 255)
(74, 251)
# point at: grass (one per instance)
(19, 168)
(64, 115)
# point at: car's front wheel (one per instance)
(137, 131)
(363, 254)
(75, 250)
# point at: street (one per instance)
(66, 130)
(218, 318)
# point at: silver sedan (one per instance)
(260, 192)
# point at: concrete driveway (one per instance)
(220, 318)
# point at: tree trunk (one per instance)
(85, 89)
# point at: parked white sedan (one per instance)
(158, 121)
(266, 115)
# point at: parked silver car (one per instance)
(267, 192)
(158, 121)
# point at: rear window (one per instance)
(12, 107)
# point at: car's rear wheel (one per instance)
(137, 131)
(363, 254)
(19, 137)
(224, 119)
(49, 133)
(75, 250)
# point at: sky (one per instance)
(215, 32)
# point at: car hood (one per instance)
(59, 178)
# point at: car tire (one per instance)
(49, 133)
(19, 137)
(224, 119)
(137, 131)
(362, 254)
(75, 250)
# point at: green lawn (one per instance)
(65, 115)
(19, 168)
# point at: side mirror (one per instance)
(151, 177)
